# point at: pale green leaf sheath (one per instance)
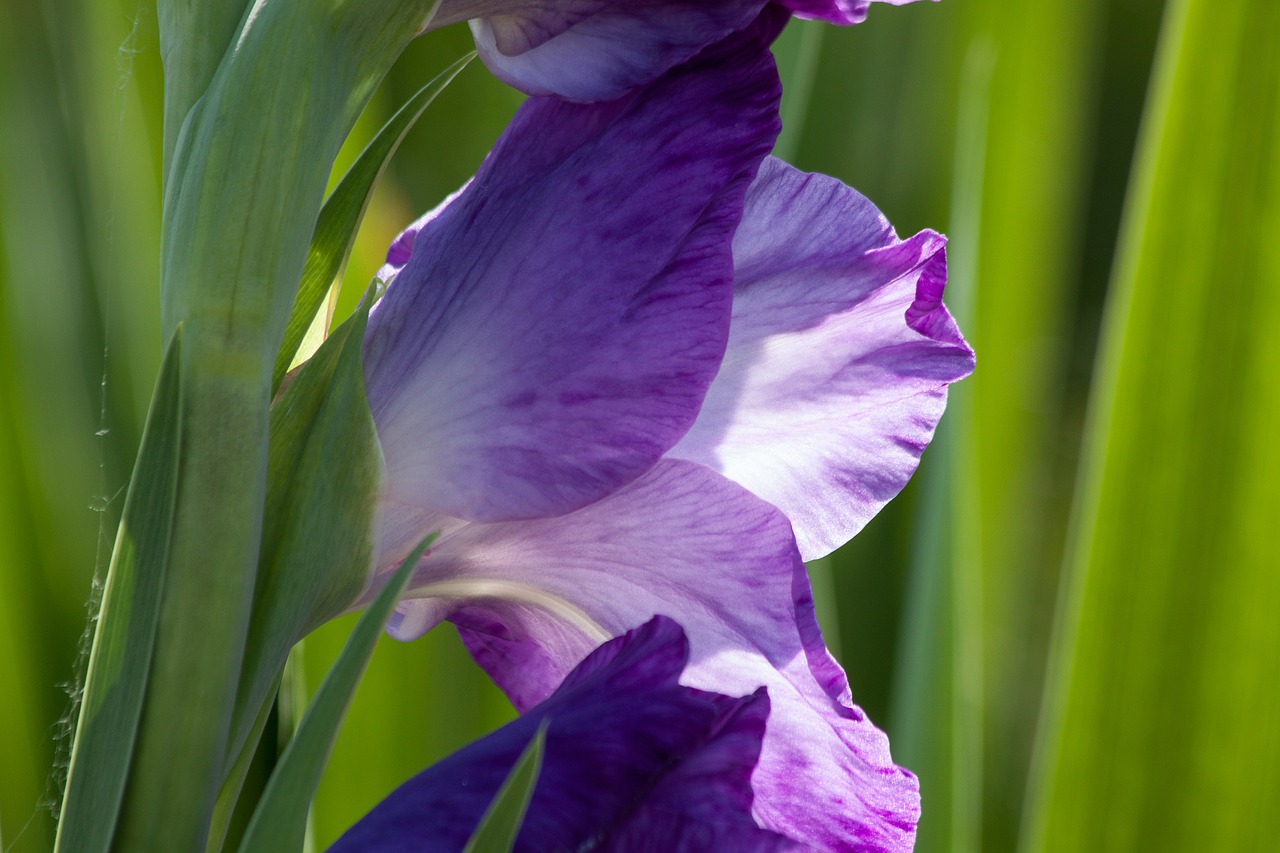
(317, 541)
(194, 35)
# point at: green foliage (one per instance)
(1158, 731)
(248, 171)
(501, 822)
(120, 662)
(279, 823)
(195, 38)
(317, 546)
(69, 417)
(937, 701)
(340, 219)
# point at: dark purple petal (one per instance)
(839, 355)
(533, 598)
(632, 761)
(556, 326)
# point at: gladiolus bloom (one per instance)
(635, 368)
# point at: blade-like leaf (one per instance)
(279, 823)
(1158, 730)
(120, 661)
(498, 828)
(193, 38)
(340, 217)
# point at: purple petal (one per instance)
(631, 760)
(835, 11)
(831, 11)
(556, 326)
(839, 355)
(401, 248)
(532, 598)
(596, 50)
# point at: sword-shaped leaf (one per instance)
(120, 661)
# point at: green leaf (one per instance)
(501, 822)
(937, 701)
(1157, 732)
(119, 664)
(323, 475)
(245, 185)
(279, 823)
(340, 218)
(1034, 218)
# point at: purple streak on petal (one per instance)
(598, 50)
(631, 758)
(557, 325)
(839, 355)
(685, 542)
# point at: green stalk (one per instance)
(194, 36)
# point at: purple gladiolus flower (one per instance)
(632, 761)
(634, 368)
(592, 50)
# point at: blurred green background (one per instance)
(1069, 623)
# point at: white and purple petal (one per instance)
(632, 760)
(554, 328)
(533, 598)
(835, 11)
(596, 50)
(840, 352)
